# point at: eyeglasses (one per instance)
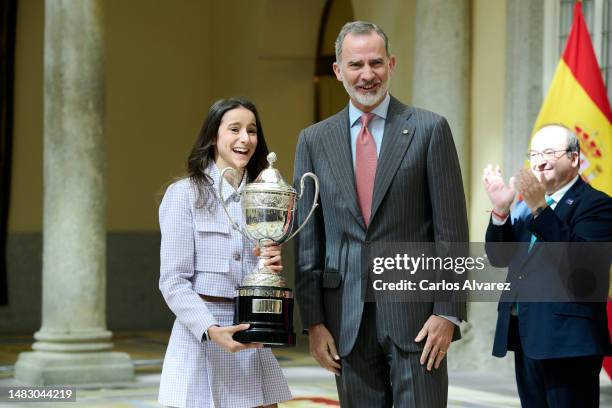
(548, 154)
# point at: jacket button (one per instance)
(236, 256)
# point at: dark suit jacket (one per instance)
(418, 196)
(554, 329)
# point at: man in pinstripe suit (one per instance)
(388, 172)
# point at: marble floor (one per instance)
(311, 386)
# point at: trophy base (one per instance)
(268, 337)
(269, 312)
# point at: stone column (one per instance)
(441, 83)
(523, 96)
(441, 68)
(73, 345)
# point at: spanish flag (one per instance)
(577, 99)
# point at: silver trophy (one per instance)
(264, 301)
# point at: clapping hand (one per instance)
(500, 194)
(532, 189)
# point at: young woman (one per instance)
(203, 261)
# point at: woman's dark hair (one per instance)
(203, 152)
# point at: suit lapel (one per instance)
(399, 131)
(562, 210)
(338, 150)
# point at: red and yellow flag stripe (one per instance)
(577, 99)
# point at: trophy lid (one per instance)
(270, 180)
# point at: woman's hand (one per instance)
(271, 252)
(223, 337)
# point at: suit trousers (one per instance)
(376, 373)
(571, 382)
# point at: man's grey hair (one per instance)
(573, 143)
(358, 28)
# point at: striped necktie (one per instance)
(515, 306)
(549, 202)
(365, 167)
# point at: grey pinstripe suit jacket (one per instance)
(418, 197)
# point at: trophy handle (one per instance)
(314, 202)
(220, 191)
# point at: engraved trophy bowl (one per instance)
(264, 301)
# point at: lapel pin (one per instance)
(405, 131)
(569, 201)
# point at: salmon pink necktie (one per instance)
(365, 167)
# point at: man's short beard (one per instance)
(368, 99)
